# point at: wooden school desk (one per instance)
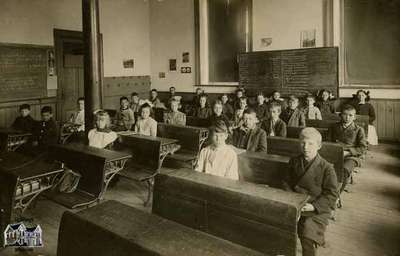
(11, 139)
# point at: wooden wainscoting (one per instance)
(10, 110)
(387, 118)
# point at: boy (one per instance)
(353, 139)
(292, 115)
(196, 98)
(311, 111)
(274, 126)
(219, 158)
(239, 93)
(261, 107)
(203, 111)
(24, 122)
(174, 116)
(310, 174)
(249, 136)
(238, 117)
(45, 133)
(276, 98)
(78, 118)
(146, 125)
(155, 101)
(227, 108)
(136, 102)
(125, 116)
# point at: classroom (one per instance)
(199, 127)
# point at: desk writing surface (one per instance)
(164, 141)
(263, 155)
(109, 155)
(11, 131)
(26, 167)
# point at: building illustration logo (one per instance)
(18, 235)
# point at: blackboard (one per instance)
(297, 72)
(23, 71)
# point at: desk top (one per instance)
(263, 155)
(27, 167)
(109, 155)
(164, 141)
(11, 131)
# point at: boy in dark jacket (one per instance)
(45, 132)
(310, 174)
(24, 122)
(292, 115)
(352, 137)
(274, 126)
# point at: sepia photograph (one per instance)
(199, 128)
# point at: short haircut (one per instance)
(25, 106)
(275, 92)
(218, 102)
(154, 90)
(134, 94)
(101, 114)
(219, 127)
(239, 90)
(172, 87)
(310, 96)
(275, 105)
(46, 109)
(243, 98)
(311, 133)
(250, 111)
(293, 97)
(260, 94)
(79, 99)
(203, 95)
(145, 105)
(123, 98)
(174, 100)
(348, 107)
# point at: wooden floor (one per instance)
(367, 225)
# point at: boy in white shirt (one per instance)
(219, 158)
(311, 111)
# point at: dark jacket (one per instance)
(279, 128)
(213, 119)
(353, 139)
(255, 140)
(227, 110)
(25, 124)
(327, 108)
(318, 180)
(46, 133)
(293, 118)
(366, 109)
(261, 111)
(203, 113)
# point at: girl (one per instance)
(325, 104)
(276, 98)
(102, 136)
(146, 125)
(238, 117)
(174, 116)
(363, 107)
(203, 111)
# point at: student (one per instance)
(203, 111)
(312, 175)
(239, 93)
(24, 122)
(218, 115)
(276, 98)
(292, 115)
(102, 136)
(250, 136)
(155, 101)
(325, 104)
(174, 116)
(45, 133)
(274, 126)
(78, 118)
(261, 107)
(146, 125)
(196, 98)
(227, 108)
(219, 158)
(125, 116)
(238, 117)
(311, 111)
(353, 139)
(136, 102)
(363, 107)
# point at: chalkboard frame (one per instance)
(13, 96)
(267, 90)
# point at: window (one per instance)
(223, 33)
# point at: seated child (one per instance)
(218, 114)
(219, 158)
(146, 125)
(312, 175)
(239, 93)
(45, 133)
(261, 107)
(174, 116)
(311, 111)
(353, 139)
(203, 111)
(276, 98)
(24, 122)
(227, 108)
(155, 101)
(78, 118)
(102, 136)
(325, 104)
(125, 116)
(238, 117)
(136, 102)
(196, 98)
(274, 126)
(363, 107)
(250, 136)
(292, 115)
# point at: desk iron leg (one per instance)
(150, 185)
